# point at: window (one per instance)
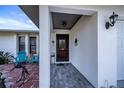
(21, 43)
(32, 45)
(62, 44)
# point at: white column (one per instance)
(27, 44)
(44, 34)
(37, 44)
(16, 45)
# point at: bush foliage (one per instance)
(6, 57)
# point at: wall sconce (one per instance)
(112, 19)
(53, 42)
(76, 42)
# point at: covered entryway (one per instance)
(73, 49)
(81, 26)
(62, 23)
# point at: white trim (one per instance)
(20, 35)
(16, 44)
(36, 36)
(37, 44)
(69, 10)
(27, 43)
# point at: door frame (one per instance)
(64, 62)
(119, 71)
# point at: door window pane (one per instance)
(62, 44)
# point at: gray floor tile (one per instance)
(67, 76)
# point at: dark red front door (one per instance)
(62, 47)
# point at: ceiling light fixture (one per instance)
(64, 24)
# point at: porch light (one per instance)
(112, 19)
(64, 23)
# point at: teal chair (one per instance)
(21, 57)
(35, 59)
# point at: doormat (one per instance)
(61, 64)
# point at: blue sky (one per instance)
(12, 17)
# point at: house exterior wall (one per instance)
(107, 47)
(106, 41)
(84, 54)
(27, 36)
(9, 41)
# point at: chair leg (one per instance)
(23, 74)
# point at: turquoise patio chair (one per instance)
(35, 59)
(21, 57)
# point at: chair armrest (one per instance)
(17, 58)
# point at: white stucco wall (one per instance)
(8, 42)
(84, 55)
(106, 40)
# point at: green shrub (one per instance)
(6, 57)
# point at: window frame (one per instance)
(32, 45)
(20, 45)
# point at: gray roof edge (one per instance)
(16, 30)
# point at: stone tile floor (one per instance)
(67, 76)
(11, 77)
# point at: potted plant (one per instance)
(2, 81)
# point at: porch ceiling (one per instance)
(64, 20)
(32, 11)
(70, 16)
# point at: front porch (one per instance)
(67, 76)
